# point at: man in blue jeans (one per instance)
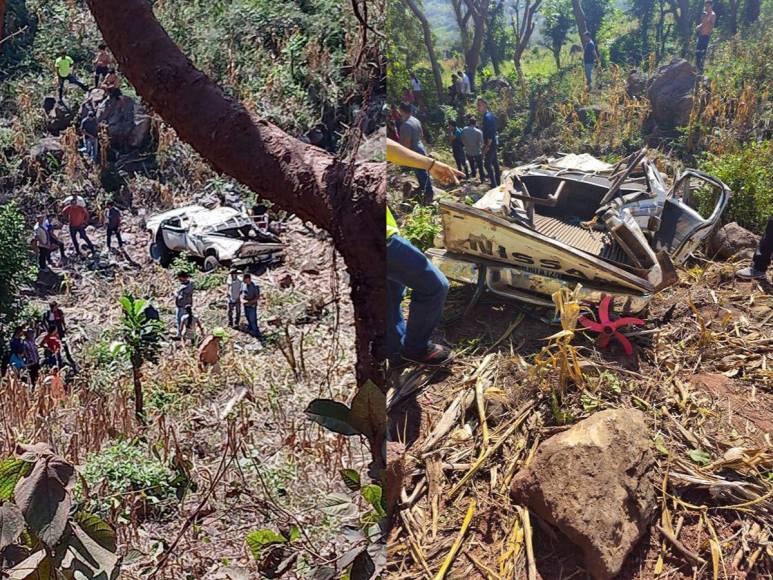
(250, 296)
(408, 267)
(589, 57)
(411, 135)
(490, 143)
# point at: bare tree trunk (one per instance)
(427, 31)
(579, 18)
(751, 11)
(2, 23)
(345, 199)
(480, 18)
(139, 404)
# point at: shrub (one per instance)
(748, 172)
(421, 227)
(16, 268)
(123, 470)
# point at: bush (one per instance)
(16, 269)
(122, 470)
(627, 49)
(421, 227)
(748, 172)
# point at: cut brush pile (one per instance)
(701, 373)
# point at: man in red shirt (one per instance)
(78, 218)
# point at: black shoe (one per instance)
(435, 356)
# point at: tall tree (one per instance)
(579, 18)
(475, 12)
(344, 198)
(524, 12)
(751, 11)
(557, 20)
(2, 22)
(680, 10)
(427, 32)
(595, 12)
(643, 11)
(497, 39)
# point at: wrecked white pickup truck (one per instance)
(217, 237)
(616, 230)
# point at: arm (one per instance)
(400, 155)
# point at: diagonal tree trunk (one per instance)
(2, 22)
(579, 18)
(427, 32)
(345, 199)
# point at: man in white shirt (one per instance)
(234, 291)
(418, 93)
(467, 83)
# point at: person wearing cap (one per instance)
(250, 294)
(233, 294)
(183, 299)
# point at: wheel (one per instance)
(160, 252)
(211, 263)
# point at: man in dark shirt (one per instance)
(250, 296)
(90, 133)
(113, 220)
(490, 142)
(589, 57)
(411, 135)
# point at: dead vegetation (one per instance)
(700, 372)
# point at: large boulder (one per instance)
(731, 240)
(670, 93)
(58, 115)
(128, 124)
(44, 156)
(596, 484)
(636, 84)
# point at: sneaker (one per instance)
(435, 355)
(750, 273)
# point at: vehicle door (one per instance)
(175, 234)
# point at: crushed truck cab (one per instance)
(616, 230)
(220, 236)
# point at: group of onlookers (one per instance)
(24, 350)
(76, 215)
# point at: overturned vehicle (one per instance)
(222, 236)
(616, 230)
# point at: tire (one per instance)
(211, 263)
(160, 252)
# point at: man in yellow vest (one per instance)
(408, 267)
(64, 72)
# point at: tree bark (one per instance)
(2, 23)
(480, 18)
(427, 31)
(579, 18)
(139, 404)
(751, 11)
(345, 199)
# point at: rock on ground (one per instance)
(670, 92)
(595, 483)
(636, 84)
(731, 240)
(58, 116)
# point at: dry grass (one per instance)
(714, 448)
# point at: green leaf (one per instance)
(332, 415)
(294, 534)
(11, 524)
(98, 530)
(700, 456)
(351, 478)
(374, 495)
(660, 445)
(259, 539)
(368, 413)
(11, 471)
(36, 567)
(339, 505)
(363, 567)
(91, 560)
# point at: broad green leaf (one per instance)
(98, 530)
(363, 567)
(339, 505)
(332, 415)
(259, 539)
(91, 560)
(11, 471)
(351, 478)
(44, 498)
(11, 524)
(660, 445)
(373, 495)
(700, 456)
(368, 414)
(36, 567)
